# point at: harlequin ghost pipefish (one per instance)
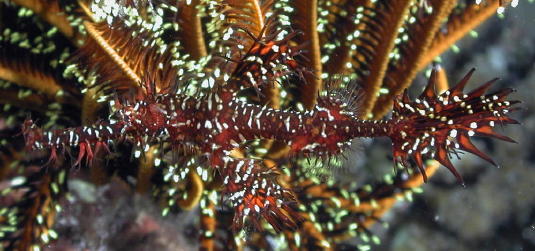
(430, 126)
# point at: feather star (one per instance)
(190, 84)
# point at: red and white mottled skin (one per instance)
(215, 124)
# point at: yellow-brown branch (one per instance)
(208, 224)
(110, 51)
(394, 18)
(145, 171)
(195, 189)
(191, 30)
(39, 206)
(457, 28)
(306, 21)
(33, 102)
(35, 81)
(403, 74)
(50, 11)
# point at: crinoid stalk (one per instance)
(180, 89)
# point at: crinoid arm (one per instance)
(437, 126)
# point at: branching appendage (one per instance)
(431, 126)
